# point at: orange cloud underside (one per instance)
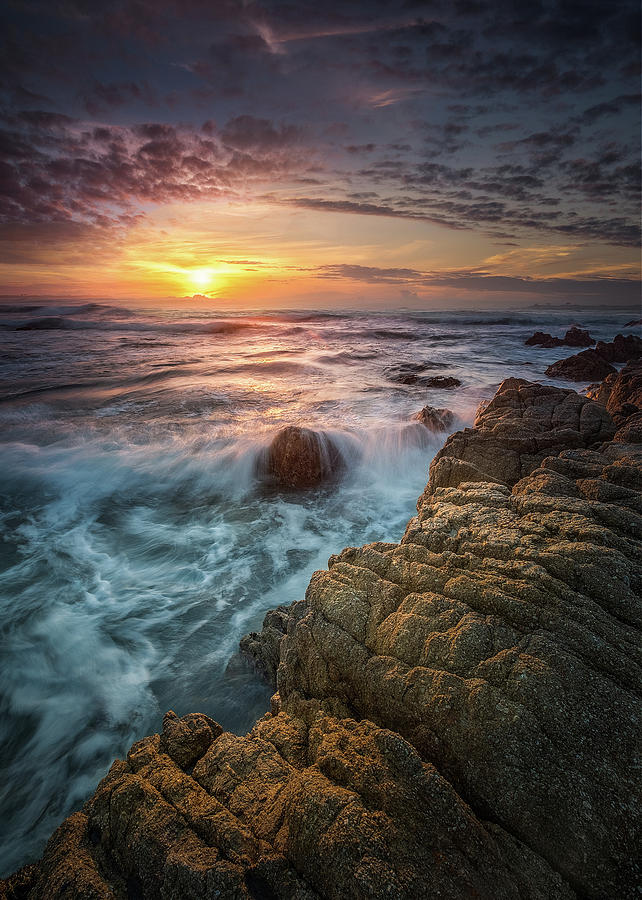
(261, 254)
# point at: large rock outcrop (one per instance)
(458, 715)
(522, 424)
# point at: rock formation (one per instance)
(574, 337)
(521, 425)
(262, 647)
(458, 715)
(415, 373)
(300, 458)
(596, 363)
(620, 393)
(441, 381)
(584, 366)
(621, 348)
(435, 418)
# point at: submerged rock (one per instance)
(584, 366)
(441, 381)
(574, 337)
(411, 373)
(457, 715)
(300, 458)
(435, 419)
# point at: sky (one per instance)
(341, 153)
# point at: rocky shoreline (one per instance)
(457, 715)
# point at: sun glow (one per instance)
(201, 278)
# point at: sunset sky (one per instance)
(304, 153)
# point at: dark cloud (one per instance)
(249, 133)
(621, 290)
(464, 114)
(364, 209)
(609, 108)
(101, 97)
(51, 169)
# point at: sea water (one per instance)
(136, 545)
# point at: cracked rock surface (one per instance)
(458, 715)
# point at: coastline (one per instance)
(446, 706)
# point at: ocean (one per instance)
(137, 544)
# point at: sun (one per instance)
(201, 278)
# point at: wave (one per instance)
(347, 357)
(47, 309)
(58, 323)
(392, 334)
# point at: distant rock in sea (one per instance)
(457, 715)
(46, 323)
(596, 363)
(621, 348)
(574, 337)
(411, 373)
(583, 366)
(441, 381)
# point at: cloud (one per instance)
(248, 133)
(363, 209)
(101, 97)
(622, 290)
(609, 108)
(55, 168)
(458, 113)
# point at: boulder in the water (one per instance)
(441, 381)
(542, 339)
(577, 337)
(301, 458)
(434, 418)
(574, 337)
(621, 348)
(410, 373)
(584, 366)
